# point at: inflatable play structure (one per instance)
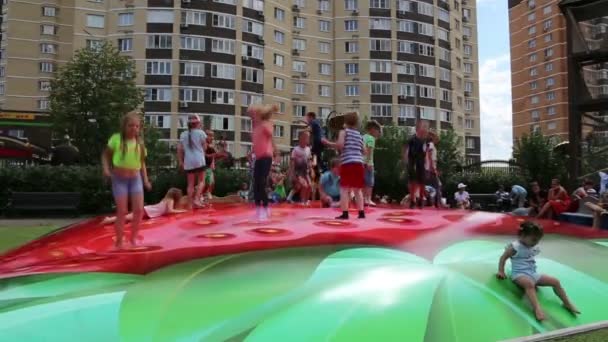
(214, 275)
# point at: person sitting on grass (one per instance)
(522, 253)
(462, 198)
(172, 203)
(329, 185)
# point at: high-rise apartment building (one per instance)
(539, 68)
(390, 60)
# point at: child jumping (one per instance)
(523, 268)
(373, 132)
(263, 147)
(300, 166)
(352, 169)
(127, 171)
(191, 158)
(166, 206)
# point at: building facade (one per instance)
(392, 61)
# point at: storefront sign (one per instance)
(17, 116)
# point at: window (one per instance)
(253, 27)
(158, 68)
(404, 5)
(223, 46)
(380, 4)
(532, 43)
(279, 83)
(324, 47)
(549, 52)
(279, 37)
(279, 60)
(299, 88)
(352, 68)
(468, 86)
(427, 113)
(469, 123)
(443, 15)
(407, 26)
(406, 46)
(351, 5)
(351, 47)
(407, 112)
(445, 75)
(279, 14)
(380, 66)
(444, 35)
(426, 92)
(535, 114)
(192, 43)
(352, 90)
(531, 30)
(252, 51)
(48, 29)
(426, 9)
(44, 104)
(548, 38)
(192, 95)
(299, 22)
(351, 25)
(16, 133)
(44, 85)
(444, 54)
(298, 66)
(534, 100)
(547, 24)
(468, 50)
(223, 123)
(549, 67)
(552, 125)
(379, 24)
(535, 128)
(381, 88)
(324, 90)
(531, 16)
(468, 68)
(257, 5)
(533, 72)
(550, 82)
(125, 44)
(228, 2)
(407, 89)
(94, 43)
(253, 75)
(446, 95)
(531, 4)
(246, 125)
(469, 105)
(426, 50)
(533, 85)
(445, 115)
(384, 110)
(225, 71)
(192, 69)
(547, 10)
(158, 94)
(223, 20)
(299, 44)
(299, 110)
(160, 16)
(551, 110)
(380, 45)
(47, 67)
(470, 143)
(48, 48)
(159, 121)
(406, 69)
(467, 32)
(249, 99)
(96, 21)
(125, 19)
(324, 112)
(324, 5)
(532, 58)
(159, 42)
(426, 70)
(278, 131)
(221, 96)
(324, 26)
(324, 69)
(49, 11)
(300, 3)
(550, 96)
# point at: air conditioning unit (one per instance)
(295, 52)
(184, 25)
(245, 58)
(355, 79)
(465, 19)
(319, 12)
(261, 41)
(402, 97)
(260, 63)
(183, 104)
(467, 93)
(261, 15)
(465, 38)
(296, 32)
(304, 74)
(355, 12)
(295, 8)
(545, 29)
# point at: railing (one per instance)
(493, 166)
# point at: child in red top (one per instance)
(263, 148)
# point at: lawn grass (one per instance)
(600, 335)
(11, 237)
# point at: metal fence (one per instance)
(493, 166)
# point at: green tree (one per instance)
(388, 162)
(538, 159)
(449, 153)
(90, 94)
(159, 154)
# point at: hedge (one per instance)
(96, 196)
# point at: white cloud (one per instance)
(496, 110)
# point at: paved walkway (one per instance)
(37, 222)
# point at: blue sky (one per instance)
(495, 79)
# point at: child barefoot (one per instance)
(522, 253)
(263, 147)
(167, 205)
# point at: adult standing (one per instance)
(415, 156)
(191, 158)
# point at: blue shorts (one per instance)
(122, 186)
(369, 177)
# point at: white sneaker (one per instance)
(335, 204)
(263, 215)
(371, 203)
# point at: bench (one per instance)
(584, 215)
(44, 201)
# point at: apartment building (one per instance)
(390, 60)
